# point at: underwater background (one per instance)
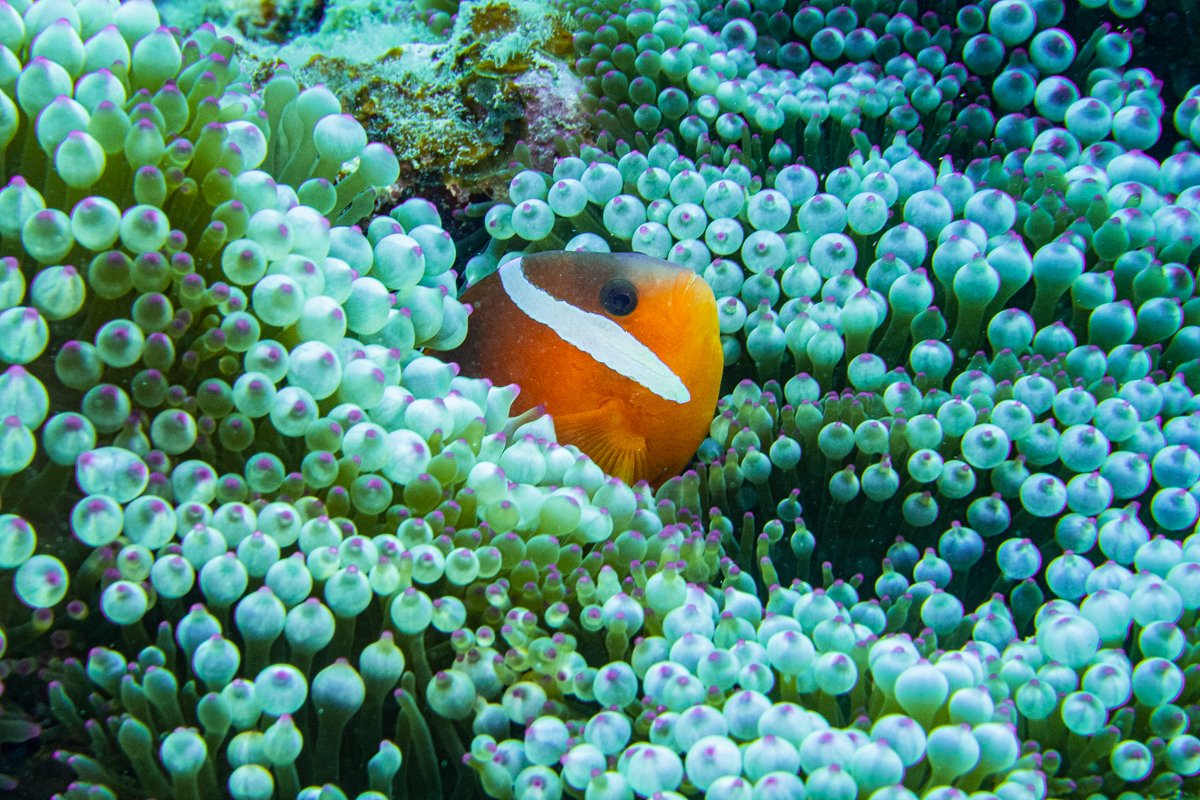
(940, 541)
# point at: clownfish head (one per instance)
(645, 319)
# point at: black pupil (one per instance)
(619, 297)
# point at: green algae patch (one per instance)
(451, 101)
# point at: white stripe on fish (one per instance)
(598, 336)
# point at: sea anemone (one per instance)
(940, 539)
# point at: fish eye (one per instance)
(619, 297)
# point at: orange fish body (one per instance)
(621, 349)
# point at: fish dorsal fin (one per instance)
(594, 334)
(602, 434)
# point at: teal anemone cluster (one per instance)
(957, 305)
(941, 541)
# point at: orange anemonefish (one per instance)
(620, 348)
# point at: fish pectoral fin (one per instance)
(603, 435)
